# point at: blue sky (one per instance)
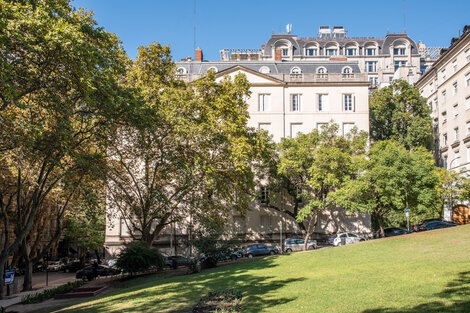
(249, 24)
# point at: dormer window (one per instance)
(181, 71)
(311, 52)
(285, 52)
(296, 70)
(399, 50)
(370, 51)
(321, 70)
(347, 70)
(213, 68)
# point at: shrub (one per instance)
(49, 293)
(137, 257)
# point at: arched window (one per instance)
(181, 71)
(213, 68)
(296, 70)
(321, 70)
(347, 70)
(264, 70)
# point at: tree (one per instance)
(316, 164)
(185, 151)
(400, 113)
(59, 92)
(392, 178)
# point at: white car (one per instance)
(56, 266)
(347, 238)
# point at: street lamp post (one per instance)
(452, 191)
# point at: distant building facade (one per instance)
(297, 85)
(446, 86)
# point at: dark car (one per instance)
(436, 225)
(423, 223)
(177, 260)
(101, 270)
(395, 231)
(72, 266)
(257, 250)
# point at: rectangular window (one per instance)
(456, 88)
(454, 66)
(264, 195)
(264, 103)
(444, 116)
(322, 102)
(320, 126)
(443, 74)
(444, 93)
(347, 127)
(467, 103)
(295, 129)
(265, 222)
(311, 52)
(444, 162)
(331, 51)
(374, 81)
(350, 51)
(468, 128)
(399, 64)
(456, 134)
(347, 102)
(285, 52)
(467, 79)
(399, 51)
(456, 109)
(390, 79)
(371, 66)
(444, 139)
(295, 103)
(265, 126)
(370, 51)
(467, 55)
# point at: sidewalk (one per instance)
(39, 286)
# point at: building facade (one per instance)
(446, 86)
(297, 85)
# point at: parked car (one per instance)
(258, 250)
(237, 254)
(111, 262)
(180, 260)
(101, 270)
(392, 231)
(436, 225)
(297, 244)
(56, 266)
(346, 238)
(72, 266)
(423, 223)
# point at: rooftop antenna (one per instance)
(194, 25)
(404, 17)
(289, 28)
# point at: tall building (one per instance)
(297, 85)
(446, 86)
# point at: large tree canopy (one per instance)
(391, 179)
(400, 113)
(185, 152)
(59, 94)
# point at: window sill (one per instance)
(466, 139)
(444, 149)
(455, 144)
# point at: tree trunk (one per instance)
(2, 272)
(28, 275)
(98, 259)
(307, 236)
(381, 225)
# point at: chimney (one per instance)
(199, 56)
(278, 55)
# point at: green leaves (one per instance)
(399, 112)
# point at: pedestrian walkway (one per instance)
(39, 285)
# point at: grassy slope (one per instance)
(423, 272)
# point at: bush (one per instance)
(49, 293)
(210, 244)
(137, 257)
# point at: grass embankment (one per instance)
(422, 272)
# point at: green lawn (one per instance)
(423, 272)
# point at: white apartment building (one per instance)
(446, 86)
(297, 85)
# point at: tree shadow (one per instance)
(180, 294)
(455, 298)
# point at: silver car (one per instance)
(346, 238)
(297, 244)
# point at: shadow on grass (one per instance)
(456, 296)
(180, 294)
